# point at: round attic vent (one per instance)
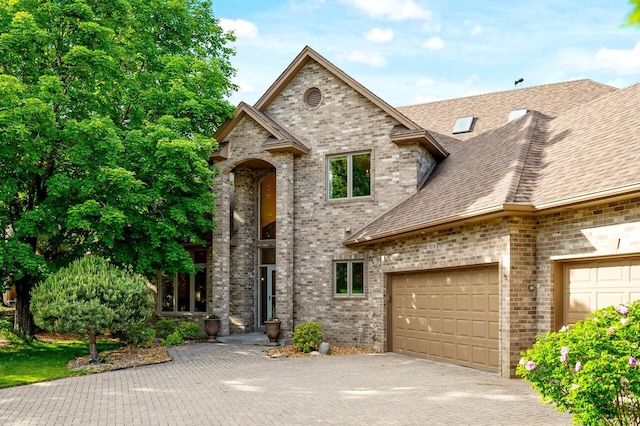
(313, 97)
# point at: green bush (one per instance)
(165, 327)
(307, 336)
(92, 296)
(141, 336)
(174, 339)
(190, 331)
(590, 369)
(5, 325)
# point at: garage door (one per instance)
(588, 286)
(449, 315)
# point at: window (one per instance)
(350, 176)
(186, 292)
(348, 277)
(268, 208)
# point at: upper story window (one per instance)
(349, 175)
(268, 208)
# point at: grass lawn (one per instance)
(29, 362)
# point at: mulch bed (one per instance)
(291, 351)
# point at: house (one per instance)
(453, 230)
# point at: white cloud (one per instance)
(243, 86)
(620, 60)
(397, 10)
(241, 28)
(373, 59)
(425, 82)
(477, 30)
(434, 43)
(617, 61)
(379, 35)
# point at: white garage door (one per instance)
(588, 286)
(449, 315)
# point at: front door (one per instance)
(267, 293)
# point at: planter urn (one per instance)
(273, 330)
(212, 327)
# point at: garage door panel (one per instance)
(589, 286)
(480, 303)
(480, 329)
(462, 315)
(494, 330)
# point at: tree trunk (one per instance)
(93, 348)
(23, 325)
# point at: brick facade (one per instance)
(311, 228)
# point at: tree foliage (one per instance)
(633, 19)
(591, 368)
(92, 296)
(106, 113)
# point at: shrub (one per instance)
(173, 339)
(307, 336)
(92, 296)
(141, 336)
(190, 331)
(165, 327)
(5, 325)
(591, 368)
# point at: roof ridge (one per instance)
(525, 160)
(509, 90)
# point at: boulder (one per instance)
(325, 348)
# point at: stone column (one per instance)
(284, 243)
(242, 261)
(219, 270)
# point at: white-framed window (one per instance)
(185, 292)
(349, 175)
(348, 277)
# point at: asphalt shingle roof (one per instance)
(579, 139)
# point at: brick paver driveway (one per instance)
(221, 384)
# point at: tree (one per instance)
(633, 19)
(106, 113)
(92, 296)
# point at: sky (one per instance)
(415, 51)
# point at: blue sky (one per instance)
(414, 51)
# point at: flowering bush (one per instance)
(590, 369)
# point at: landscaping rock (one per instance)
(315, 353)
(325, 348)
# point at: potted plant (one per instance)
(272, 326)
(211, 326)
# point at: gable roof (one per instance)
(419, 134)
(281, 139)
(491, 110)
(537, 163)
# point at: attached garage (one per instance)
(447, 315)
(588, 286)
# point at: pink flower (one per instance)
(578, 366)
(563, 358)
(564, 351)
(624, 321)
(565, 328)
(632, 361)
(622, 309)
(530, 365)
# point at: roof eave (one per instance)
(423, 138)
(285, 146)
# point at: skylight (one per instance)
(517, 113)
(463, 125)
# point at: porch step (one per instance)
(256, 338)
